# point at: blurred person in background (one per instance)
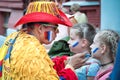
(79, 16)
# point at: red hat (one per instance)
(41, 11)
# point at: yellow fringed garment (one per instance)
(29, 60)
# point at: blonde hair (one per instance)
(110, 38)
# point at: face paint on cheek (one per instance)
(94, 50)
(48, 35)
(74, 44)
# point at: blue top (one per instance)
(88, 70)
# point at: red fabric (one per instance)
(0, 74)
(68, 74)
(1, 68)
(59, 66)
(44, 17)
(59, 63)
(1, 62)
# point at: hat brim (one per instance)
(44, 17)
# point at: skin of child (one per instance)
(103, 52)
(106, 42)
(82, 44)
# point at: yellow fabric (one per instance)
(29, 60)
(3, 51)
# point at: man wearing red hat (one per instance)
(26, 57)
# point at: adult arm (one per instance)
(67, 71)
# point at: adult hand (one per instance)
(77, 60)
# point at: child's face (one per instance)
(75, 43)
(96, 48)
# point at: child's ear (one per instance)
(84, 43)
(103, 48)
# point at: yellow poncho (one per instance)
(29, 60)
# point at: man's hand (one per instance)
(76, 60)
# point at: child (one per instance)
(105, 44)
(81, 37)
